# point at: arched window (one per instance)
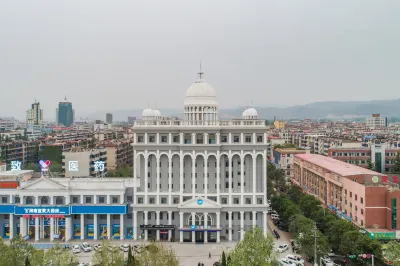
(44, 200)
(29, 200)
(199, 219)
(59, 200)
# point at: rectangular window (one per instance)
(129, 198)
(355, 196)
(140, 139)
(259, 139)
(176, 139)
(101, 199)
(163, 200)
(152, 200)
(248, 201)
(129, 216)
(235, 200)
(224, 139)
(4, 199)
(236, 139)
(248, 139)
(176, 200)
(114, 199)
(17, 199)
(362, 200)
(164, 139)
(140, 200)
(88, 200)
(75, 200)
(224, 201)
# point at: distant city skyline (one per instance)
(120, 56)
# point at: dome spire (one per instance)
(201, 72)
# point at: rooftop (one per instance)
(290, 151)
(336, 166)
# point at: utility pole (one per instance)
(315, 246)
(373, 260)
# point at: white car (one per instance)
(282, 248)
(295, 259)
(124, 247)
(285, 262)
(76, 249)
(97, 247)
(112, 248)
(327, 261)
(86, 247)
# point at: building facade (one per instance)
(34, 116)
(366, 198)
(80, 162)
(109, 118)
(63, 209)
(65, 114)
(202, 176)
(376, 121)
(282, 158)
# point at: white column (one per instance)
(193, 138)
(36, 229)
(108, 226)
(242, 177)
(146, 179)
(241, 138)
(11, 223)
(230, 138)
(206, 226)
(135, 175)
(193, 174)
(22, 226)
(157, 138)
(158, 160)
(145, 138)
(158, 223)
(181, 227)
(169, 223)
(218, 178)
(146, 222)
(230, 225)
(265, 223)
(241, 225)
(83, 226)
(265, 140)
(193, 223)
(264, 177)
(205, 174)
(230, 176)
(51, 229)
(254, 138)
(95, 224)
(181, 177)
(218, 227)
(254, 219)
(169, 138)
(67, 228)
(254, 176)
(134, 224)
(181, 138)
(121, 227)
(170, 177)
(217, 138)
(206, 138)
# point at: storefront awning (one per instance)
(332, 207)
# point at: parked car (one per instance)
(327, 261)
(76, 249)
(295, 259)
(274, 216)
(97, 247)
(285, 262)
(282, 248)
(86, 247)
(124, 247)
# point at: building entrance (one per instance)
(199, 236)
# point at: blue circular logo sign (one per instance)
(200, 201)
(193, 227)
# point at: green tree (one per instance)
(55, 167)
(396, 164)
(32, 166)
(336, 231)
(371, 165)
(308, 204)
(295, 193)
(58, 256)
(291, 210)
(131, 259)
(300, 224)
(391, 252)
(51, 153)
(270, 189)
(351, 243)
(157, 254)
(104, 257)
(27, 262)
(223, 260)
(254, 249)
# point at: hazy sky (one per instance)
(112, 55)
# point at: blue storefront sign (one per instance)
(90, 231)
(100, 209)
(42, 210)
(115, 231)
(129, 232)
(7, 208)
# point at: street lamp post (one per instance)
(315, 246)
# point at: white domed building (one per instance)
(200, 179)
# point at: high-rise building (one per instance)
(65, 114)
(376, 120)
(131, 120)
(109, 118)
(34, 116)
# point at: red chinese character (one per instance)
(384, 179)
(395, 179)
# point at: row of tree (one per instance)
(304, 212)
(255, 249)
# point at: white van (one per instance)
(274, 216)
(295, 259)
